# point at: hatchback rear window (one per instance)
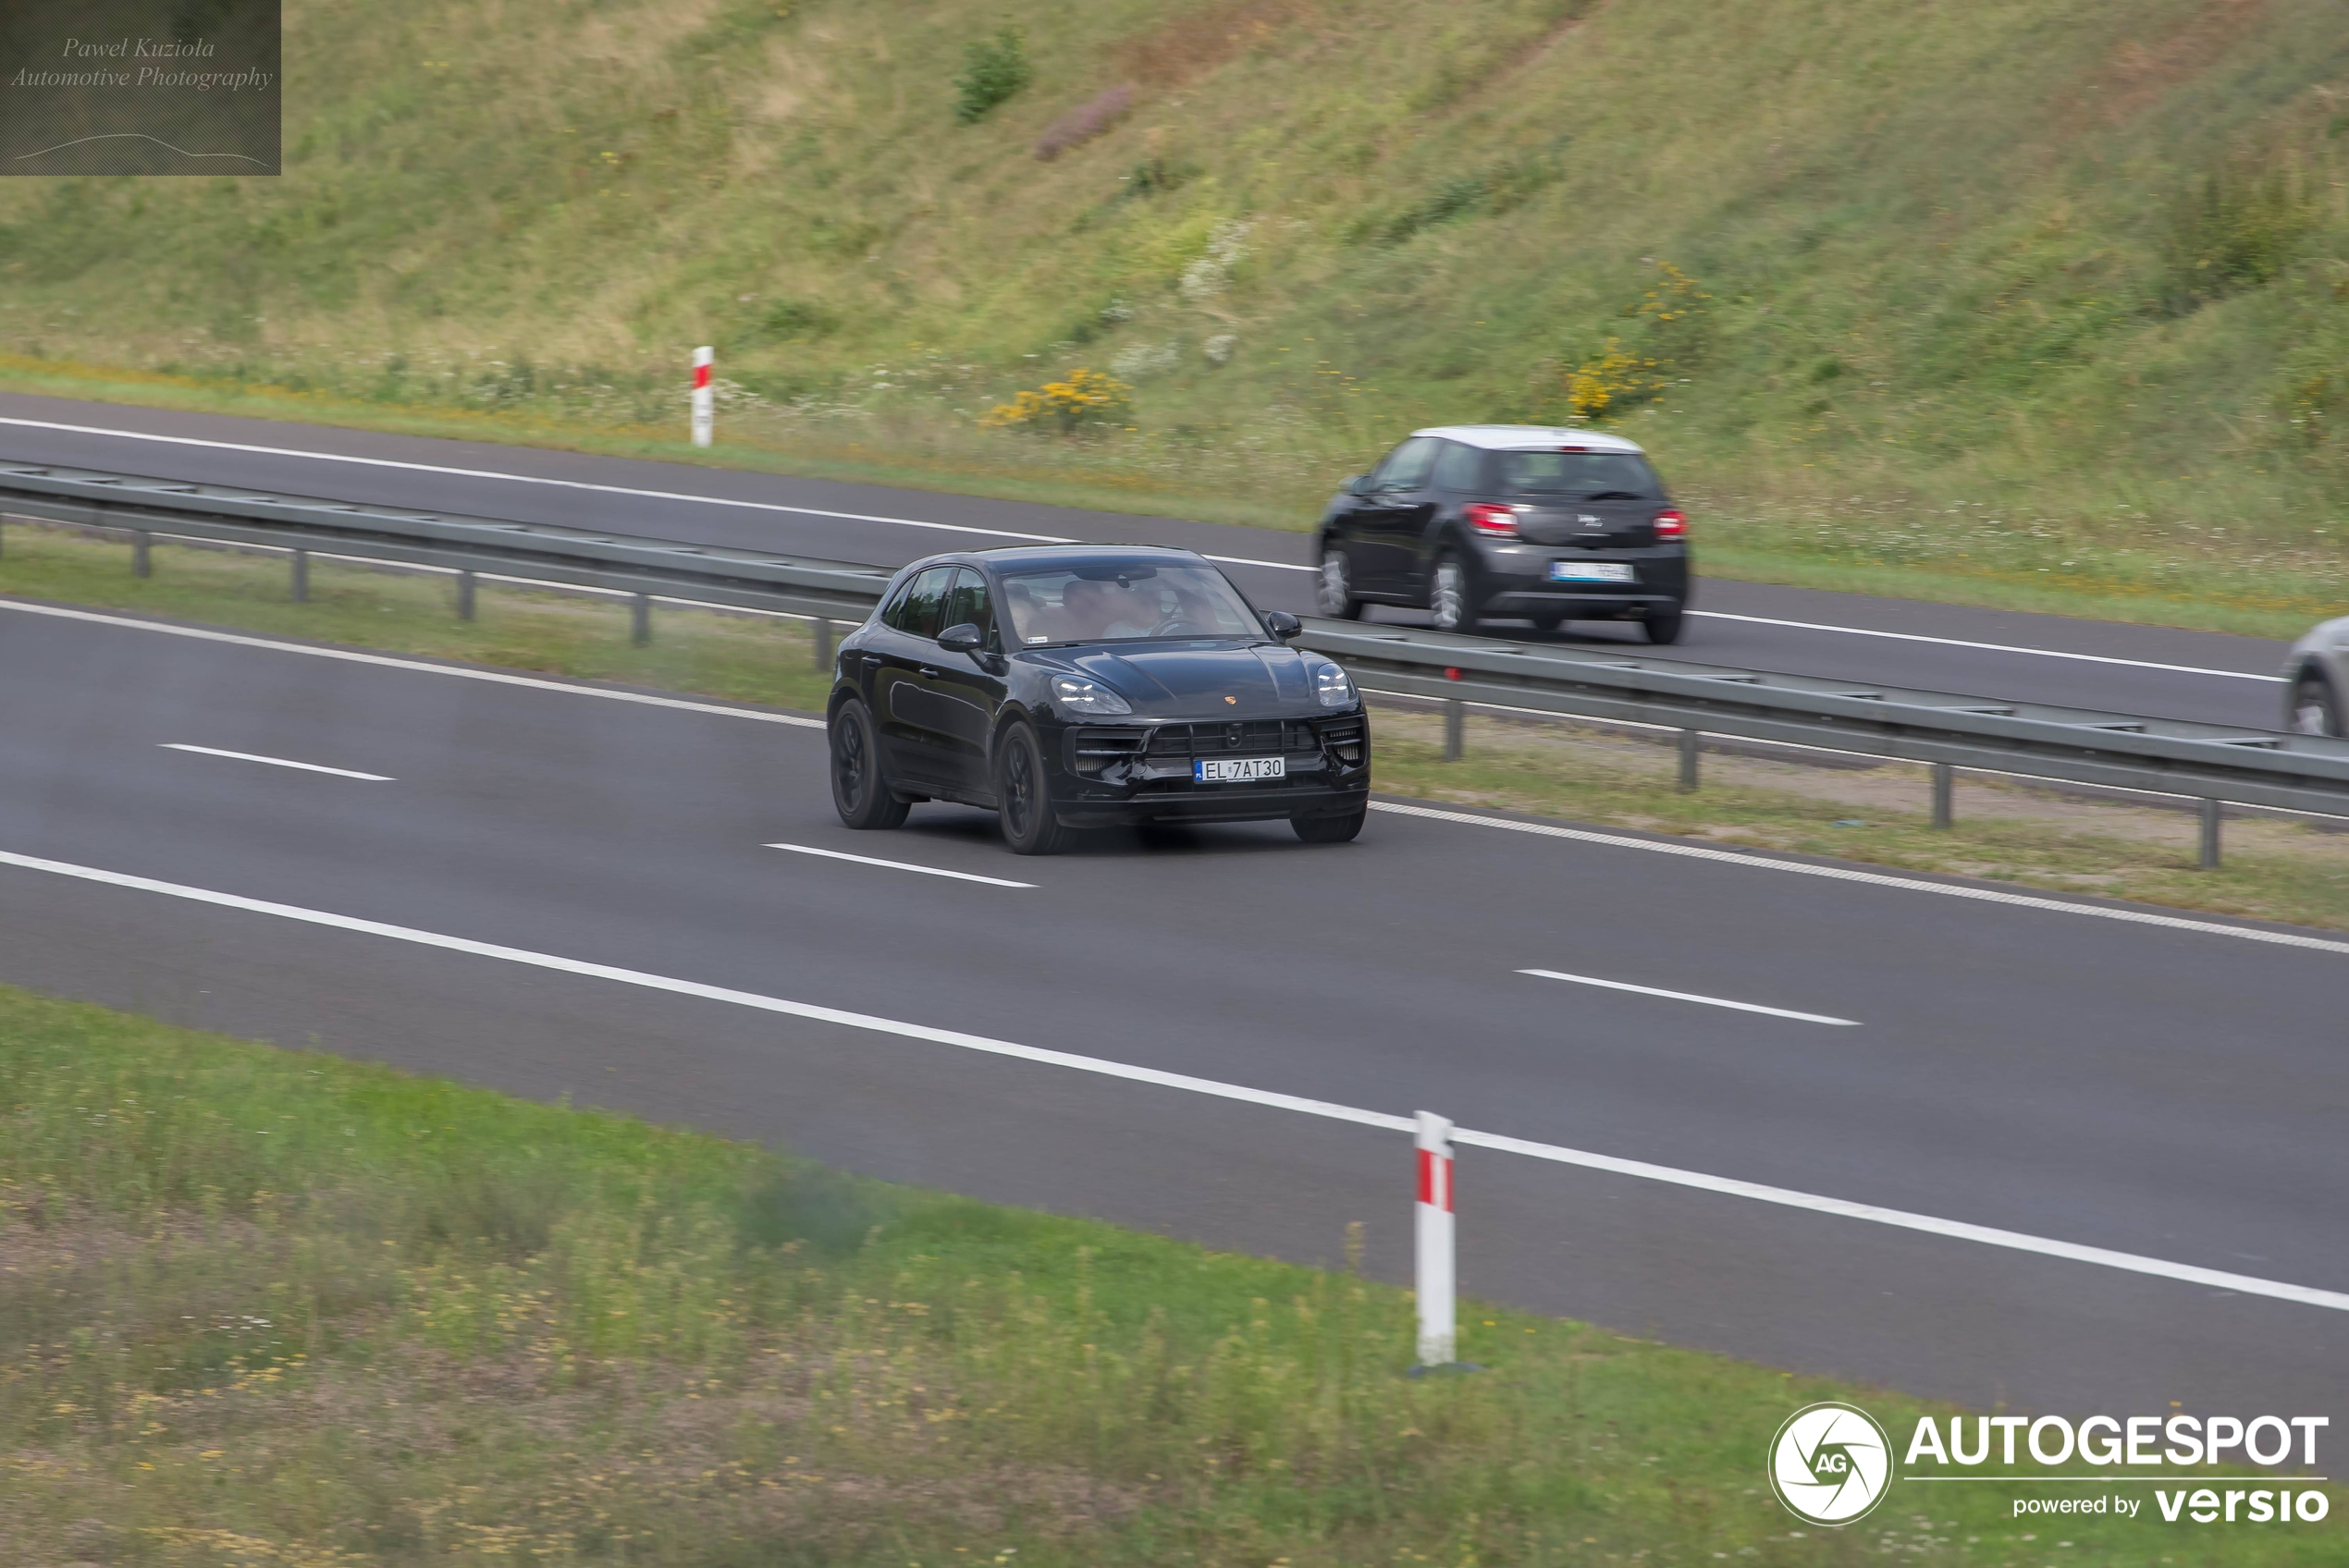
(1578, 476)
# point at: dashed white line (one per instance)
(1870, 878)
(1988, 647)
(628, 490)
(1814, 1203)
(1689, 996)
(899, 865)
(276, 762)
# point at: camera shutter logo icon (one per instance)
(1830, 1463)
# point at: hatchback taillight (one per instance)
(1671, 523)
(1493, 523)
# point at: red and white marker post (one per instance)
(1434, 1278)
(704, 398)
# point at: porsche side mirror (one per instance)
(963, 639)
(1282, 624)
(1357, 486)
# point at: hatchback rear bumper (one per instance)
(1580, 605)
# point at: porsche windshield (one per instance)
(1113, 602)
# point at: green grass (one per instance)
(2274, 870)
(2015, 302)
(264, 1307)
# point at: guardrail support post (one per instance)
(1433, 1277)
(1945, 811)
(301, 577)
(2208, 858)
(823, 643)
(464, 596)
(1687, 759)
(640, 621)
(1455, 729)
(140, 565)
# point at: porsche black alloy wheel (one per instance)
(1029, 826)
(1340, 828)
(859, 792)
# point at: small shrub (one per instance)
(1667, 331)
(1084, 399)
(1141, 360)
(994, 69)
(1085, 122)
(1211, 273)
(2237, 227)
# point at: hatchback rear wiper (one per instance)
(1614, 495)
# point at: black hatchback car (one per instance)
(1510, 523)
(1076, 686)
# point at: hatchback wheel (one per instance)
(1023, 799)
(859, 792)
(1447, 596)
(2315, 710)
(1664, 626)
(1333, 594)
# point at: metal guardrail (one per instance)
(584, 557)
(2308, 773)
(2210, 763)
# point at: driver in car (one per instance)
(1105, 609)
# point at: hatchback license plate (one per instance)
(1590, 572)
(1236, 770)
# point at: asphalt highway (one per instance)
(2136, 670)
(534, 886)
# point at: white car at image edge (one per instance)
(2315, 697)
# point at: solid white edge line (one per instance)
(1871, 878)
(900, 865)
(1329, 1109)
(1689, 996)
(1615, 840)
(277, 762)
(350, 655)
(1988, 647)
(1956, 1230)
(627, 490)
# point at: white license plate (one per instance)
(1237, 770)
(1590, 572)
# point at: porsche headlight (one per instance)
(1079, 695)
(1331, 685)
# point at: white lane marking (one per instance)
(1988, 647)
(581, 484)
(349, 655)
(1871, 878)
(899, 865)
(1981, 895)
(1558, 1153)
(1689, 996)
(276, 762)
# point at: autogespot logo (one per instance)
(1830, 1464)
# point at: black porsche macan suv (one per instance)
(1510, 523)
(1076, 686)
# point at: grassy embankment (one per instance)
(261, 1310)
(2275, 869)
(1995, 303)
